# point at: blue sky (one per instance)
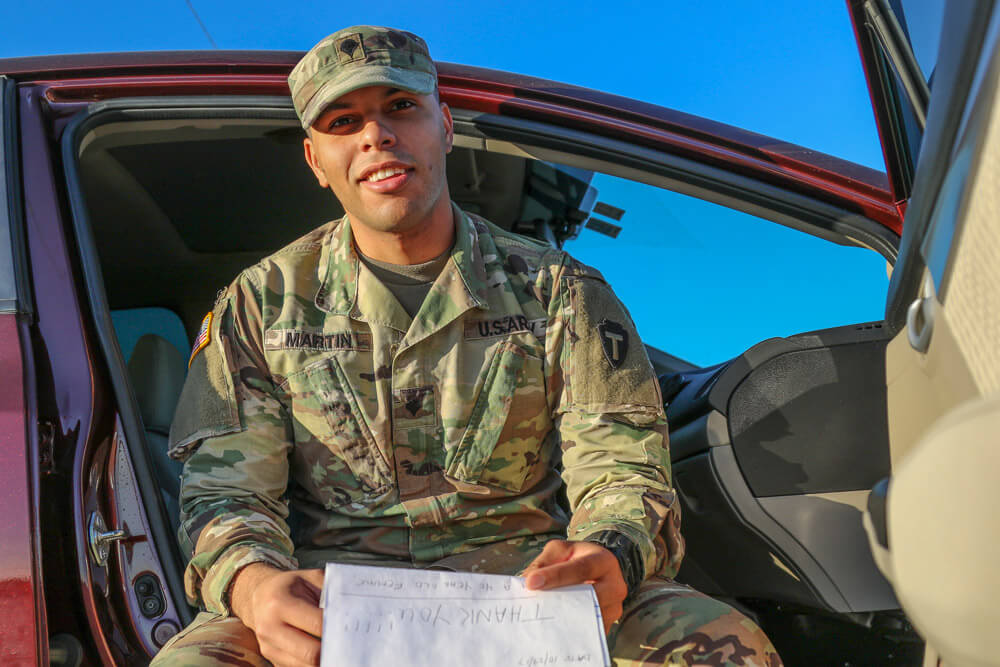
(787, 69)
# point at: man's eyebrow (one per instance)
(335, 106)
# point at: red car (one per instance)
(136, 185)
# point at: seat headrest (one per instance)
(158, 370)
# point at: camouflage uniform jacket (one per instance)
(404, 439)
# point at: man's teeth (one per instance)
(383, 174)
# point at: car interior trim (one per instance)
(785, 523)
(946, 226)
(962, 36)
(841, 547)
(759, 409)
(777, 402)
(664, 362)
(725, 467)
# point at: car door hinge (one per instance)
(46, 445)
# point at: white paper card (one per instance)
(416, 618)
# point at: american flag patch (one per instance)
(204, 336)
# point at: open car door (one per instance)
(933, 526)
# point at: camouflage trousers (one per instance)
(666, 623)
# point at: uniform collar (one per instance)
(348, 288)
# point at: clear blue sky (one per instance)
(786, 68)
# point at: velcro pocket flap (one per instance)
(487, 419)
(344, 428)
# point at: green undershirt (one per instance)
(409, 283)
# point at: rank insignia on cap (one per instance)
(614, 340)
(204, 337)
(350, 47)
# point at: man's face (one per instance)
(382, 152)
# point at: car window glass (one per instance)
(911, 129)
(133, 323)
(8, 282)
(921, 20)
(704, 282)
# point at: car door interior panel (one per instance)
(942, 366)
(773, 452)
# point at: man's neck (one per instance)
(420, 244)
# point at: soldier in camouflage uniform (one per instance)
(437, 435)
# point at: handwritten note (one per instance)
(385, 616)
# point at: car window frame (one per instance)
(962, 37)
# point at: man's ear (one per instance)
(312, 159)
(449, 127)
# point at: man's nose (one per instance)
(376, 135)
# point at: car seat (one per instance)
(157, 370)
(934, 533)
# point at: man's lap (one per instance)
(212, 639)
(666, 623)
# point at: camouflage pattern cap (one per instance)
(355, 57)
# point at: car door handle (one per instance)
(920, 317)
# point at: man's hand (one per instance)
(282, 608)
(563, 563)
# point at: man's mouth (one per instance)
(380, 171)
(386, 178)
(383, 174)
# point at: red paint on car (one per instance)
(22, 627)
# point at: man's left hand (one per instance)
(564, 563)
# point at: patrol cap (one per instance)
(355, 57)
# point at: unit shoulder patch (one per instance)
(608, 367)
(203, 338)
(614, 340)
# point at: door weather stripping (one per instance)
(896, 47)
(100, 538)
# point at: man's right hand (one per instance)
(282, 608)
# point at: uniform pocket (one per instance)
(333, 439)
(507, 424)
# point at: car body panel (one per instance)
(68, 397)
(21, 596)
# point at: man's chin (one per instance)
(390, 218)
